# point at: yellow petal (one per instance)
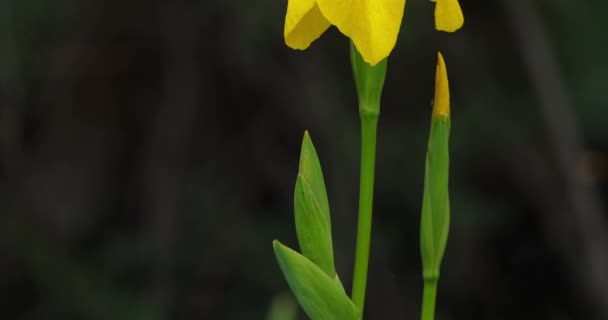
(441, 105)
(448, 15)
(304, 23)
(373, 25)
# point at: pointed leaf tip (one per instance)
(311, 210)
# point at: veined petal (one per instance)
(373, 25)
(441, 104)
(304, 23)
(448, 15)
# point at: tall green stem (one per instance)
(428, 299)
(369, 124)
(369, 81)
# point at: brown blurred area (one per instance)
(148, 152)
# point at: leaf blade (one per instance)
(311, 210)
(321, 296)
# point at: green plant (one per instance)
(373, 27)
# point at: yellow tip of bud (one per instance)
(441, 106)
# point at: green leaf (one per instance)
(313, 222)
(322, 297)
(435, 220)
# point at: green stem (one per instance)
(369, 124)
(428, 299)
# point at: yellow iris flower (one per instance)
(372, 25)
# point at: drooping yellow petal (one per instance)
(304, 23)
(441, 105)
(448, 15)
(373, 25)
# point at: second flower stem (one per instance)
(369, 124)
(429, 296)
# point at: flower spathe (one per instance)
(448, 15)
(372, 25)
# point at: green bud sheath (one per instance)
(435, 219)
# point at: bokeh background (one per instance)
(148, 153)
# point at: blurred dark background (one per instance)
(148, 153)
